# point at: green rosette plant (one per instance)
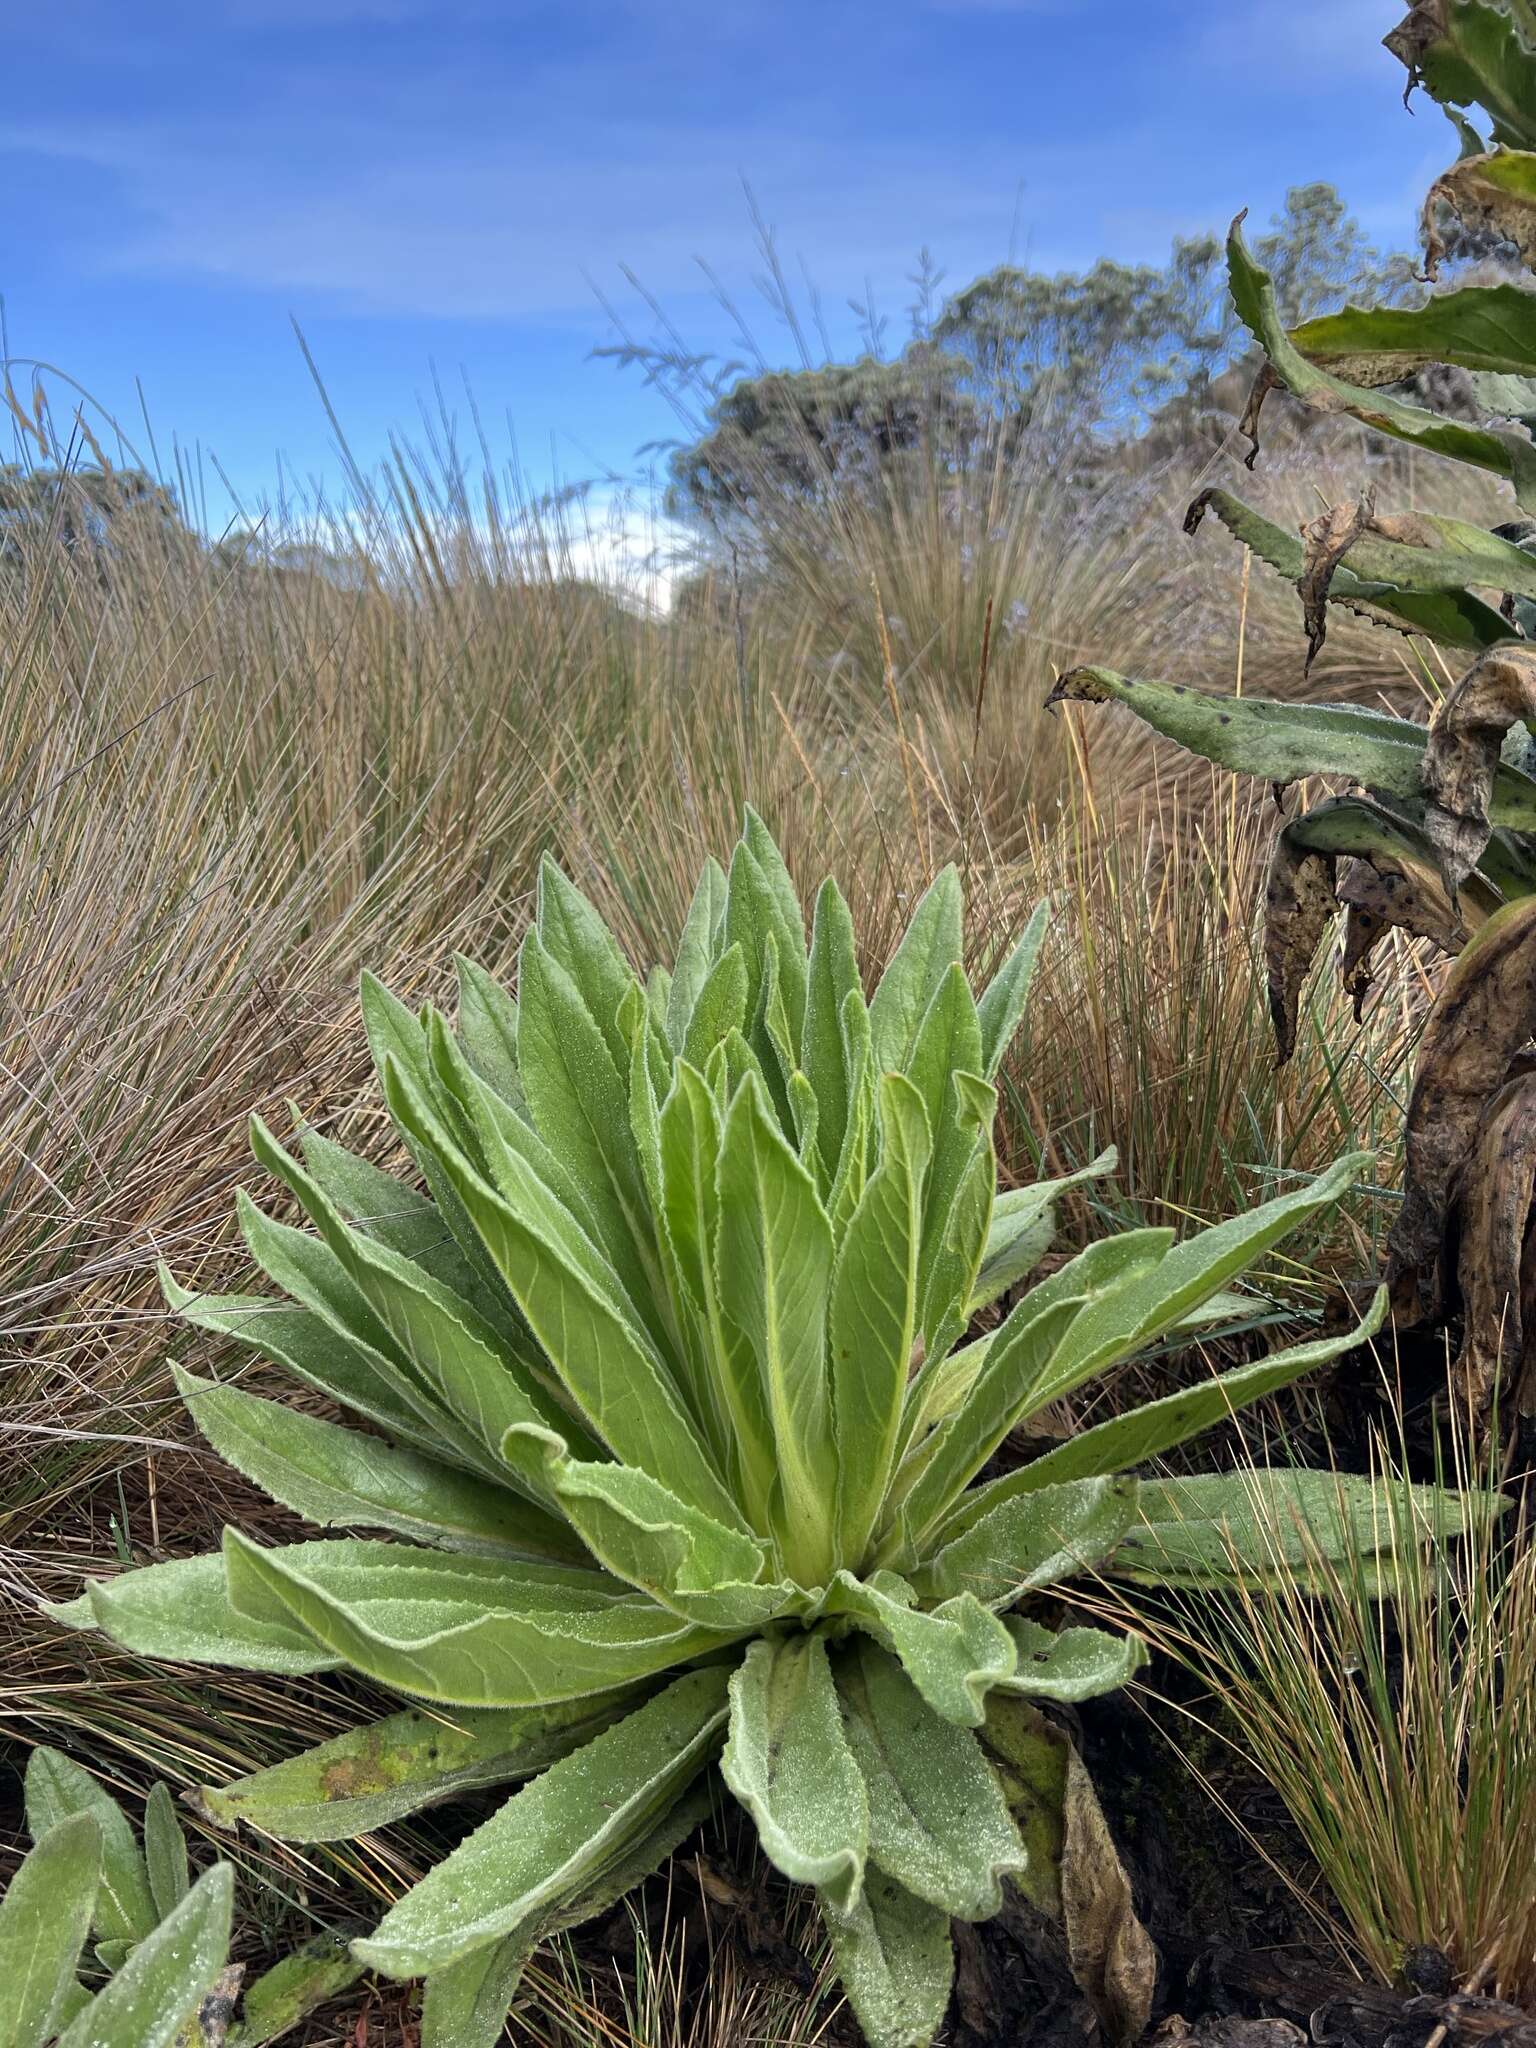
(678, 1426)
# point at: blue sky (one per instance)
(452, 182)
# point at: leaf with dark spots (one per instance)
(1284, 742)
(209, 2026)
(1493, 1216)
(1462, 756)
(1486, 1013)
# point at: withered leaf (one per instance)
(1299, 903)
(1485, 1014)
(1494, 1196)
(1326, 541)
(1113, 1958)
(1494, 194)
(1462, 752)
(1267, 380)
(1074, 1872)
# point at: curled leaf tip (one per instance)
(1078, 686)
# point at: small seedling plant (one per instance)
(158, 1936)
(677, 1423)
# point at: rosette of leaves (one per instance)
(161, 1937)
(678, 1425)
(1434, 831)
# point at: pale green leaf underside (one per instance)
(462, 1631)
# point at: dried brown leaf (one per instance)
(1381, 894)
(1487, 199)
(1299, 902)
(1485, 1014)
(1493, 1213)
(1074, 1871)
(1113, 1958)
(1462, 753)
(1326, 541)
(1267, 380)
(1422, 26)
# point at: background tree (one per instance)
(85, 506)
(1102, 352)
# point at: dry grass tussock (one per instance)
(1401, 1736)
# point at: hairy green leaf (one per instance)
(165, 1979)
(773, 1268)
(894, 1957)
(937, 1817)
(696, 951)
(338, 1479)
(1029, 1540)
(1023, 1224)
(1070, 1664)
(933, 942)
(57, 1789)
(1146, 1305)
(488, 1031)
(1249, 1527)
(833, 977)
(554, 1836)
(954, 1653)
(873, 1314)
(464, 1631)
(1138, 1435)
(1001, 1008)
(165, 1851)
(45, 1916)
(181, 1610)
(787, 1760)
(580, 1316)
(649, 1538)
